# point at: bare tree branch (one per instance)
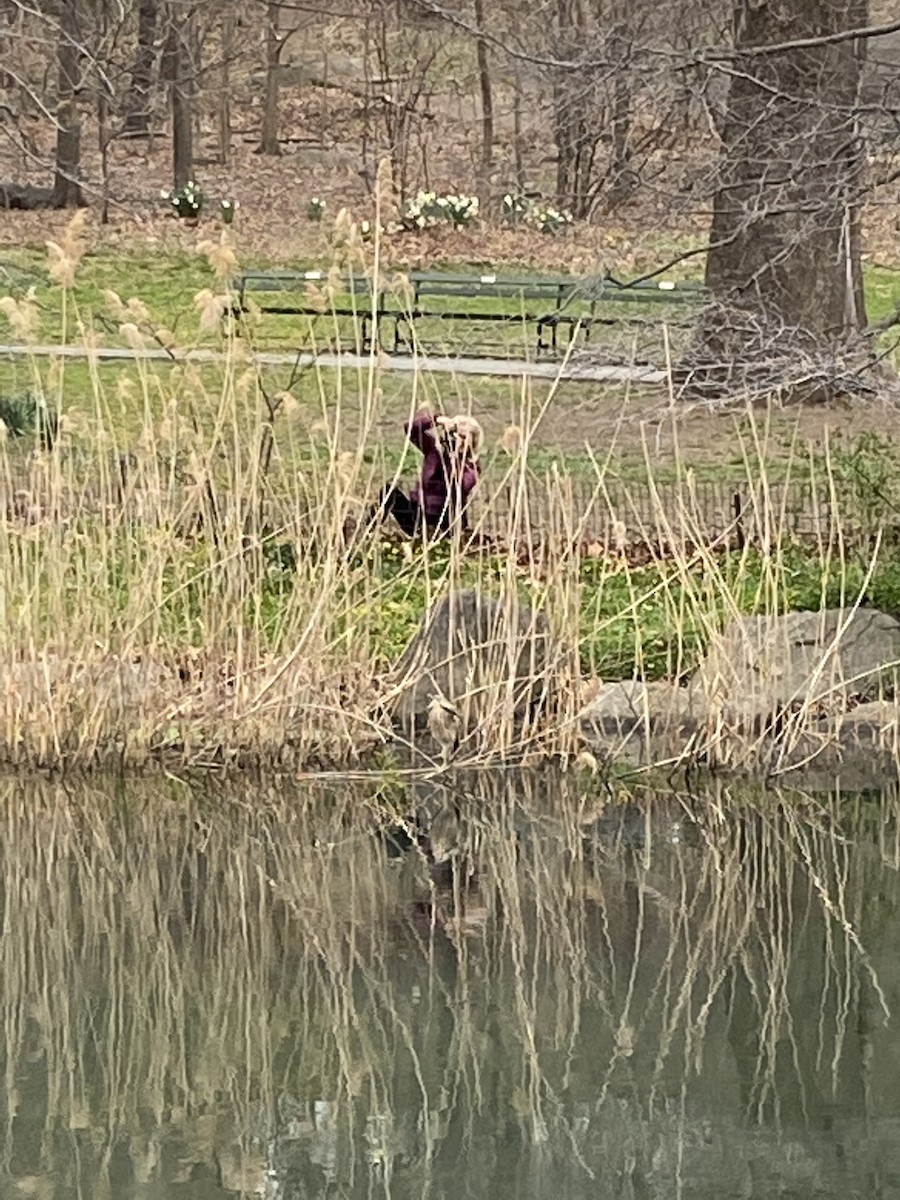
(808, 43)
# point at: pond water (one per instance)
(499, 988)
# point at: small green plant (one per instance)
(27, 415)
(428, 209)
(315, 210)
(187, 202)
(545, 218)
(514, 210)
(518, 209)
(227, 208)
(865, 474)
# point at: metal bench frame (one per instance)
(558, 293)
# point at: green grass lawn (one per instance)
(167, 284)
(333, 407)
(882, 287)
(167, 287)
(621, 425)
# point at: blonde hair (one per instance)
(464, 426)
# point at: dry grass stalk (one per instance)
(138, 615)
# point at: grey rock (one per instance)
(809, 669)
(117, 683)
(25, 196)
(638, 721)
(862, 743)
(762, 666)
(632, 700)
(844, 753)
(880, 715)
(492, 661)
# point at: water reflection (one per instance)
(500, 989)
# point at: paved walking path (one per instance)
(513, 368)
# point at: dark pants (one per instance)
(411, 518)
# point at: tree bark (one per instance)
(623, 177)
(104, 132)
(137, 113)
(572, 97)
(487, 98)
(66, 187)
(562, 115)
(224, 113)
(180, 73)
(783, 262)
(518, 138)
(269, 143)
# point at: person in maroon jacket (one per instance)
(450, 470)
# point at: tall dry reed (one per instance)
(146, 607)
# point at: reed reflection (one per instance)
(503, 987)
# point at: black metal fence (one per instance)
(571, 507)
(619, 512)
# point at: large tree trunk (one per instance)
(66, 187)
(783, 261)
(137, 114)
(179, 70)
(269, 143)
(104, 132)
(623, 178)
(224, 113)
(518, 135)
(487, 101)
(562, 115)
(573, 98)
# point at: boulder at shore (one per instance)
(490, 658)
(626, 707)
(761, 667)
(774, 694)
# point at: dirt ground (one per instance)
(647, 424)
(637, 426)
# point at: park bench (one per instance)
(487, 298)
(582, 309)
(549, 303)
(283, 292)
